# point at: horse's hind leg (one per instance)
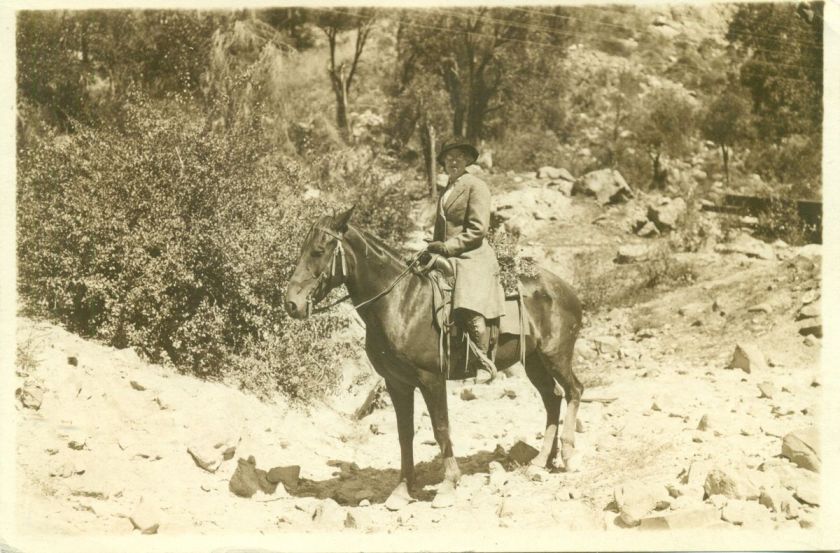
(402, 396)
(544, 383)
(434, 392)
(558, 361)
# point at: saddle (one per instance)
(442, 274)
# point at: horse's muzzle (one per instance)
(294, 310)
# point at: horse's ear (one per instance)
(342, 219)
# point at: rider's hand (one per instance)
(437, 247)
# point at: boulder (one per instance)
(748, 358)
(330, 514)
(648, 229)
(766, 389)
(30, 395)
(686, 519)
(631, 253)
(289, 476)
(779, 500)
(802, 447)
(808, 492)
(747, 245)
(248, 479)
(522, 453)
(137, 386)
(810, 296)
(738, 511)
(667, 213)
(606, 344)
(467, 394)
(566, 187)
(209, 457)
(811, 327)
(809, 310)
(607, 185)
(145, 517)
(637, 499)
(548, 172)
(732, 483)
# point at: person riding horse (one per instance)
(461, 226)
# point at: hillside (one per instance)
(107, 431)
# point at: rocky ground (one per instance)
(702, 403)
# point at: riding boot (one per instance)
(477, 330)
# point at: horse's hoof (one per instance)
(573, 463)
(445, 496)
(399, 498)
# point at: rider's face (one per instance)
(455, 161)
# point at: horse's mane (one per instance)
(379, 246)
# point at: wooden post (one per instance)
(431, 168)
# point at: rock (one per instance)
(766, 389)
(811, 327)
(73, 360)
(635, 500)
(666, 404)
(548, 172)
(607, 185)
(811, 341)
(718, 501)
(66, 470)
(747, 245)
(779, 500)
(498, 475)
(808, 492)
(802, 447)
(631, 253)
(648, 229)
(810, 296)
(748, 358)
(248, 479)
(692, 310)
(137, 386)
(760, 308)
(810, 251)
(510, 394)
(145, 517)
(522, 453)
(809, 310)
(467, 394)
(289, 476)
(364, 503)
(565, 187)
(606, 344)
(667, 214)
(738, 511)
(687, 519)
(210, 458)
(732, 483)
(710, 422)
(330, 514)
(30, 395)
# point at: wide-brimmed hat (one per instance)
(456, 144)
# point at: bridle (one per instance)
(339, 261)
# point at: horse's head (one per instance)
(321, 265)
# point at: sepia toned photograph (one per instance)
(513, 276)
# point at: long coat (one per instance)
(462, 223)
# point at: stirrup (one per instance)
(486, 364)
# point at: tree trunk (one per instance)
(339, 82)
(658, 176)
(725, 152)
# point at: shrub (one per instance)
(177, 241)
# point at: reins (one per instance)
(339, 252)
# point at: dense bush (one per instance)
(175, 240)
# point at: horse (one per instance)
(402, 343)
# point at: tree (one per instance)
(663, 126)
(726, 121)
(782, 43)
(475, 55)
(342, 72)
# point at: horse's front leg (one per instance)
(402, 396)
(434, 393)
